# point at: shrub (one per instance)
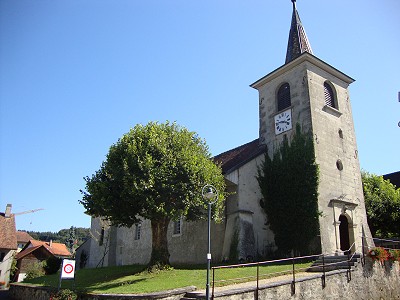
(394, 254)
(378, 253)
(52, 265)
(35, 270)
(64, 295)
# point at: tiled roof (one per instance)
(23, 237)
(233, 159)
(57, 249)
(27, 251)
(394, 178)
(8, 236)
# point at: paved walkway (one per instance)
(253, 284)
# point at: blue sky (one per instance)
(76, 75)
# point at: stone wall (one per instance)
(372, 281)
(19, 291)
(24, 292)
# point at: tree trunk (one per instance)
(159, 253)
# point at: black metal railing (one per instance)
(292, 270)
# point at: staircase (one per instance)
(334, 262)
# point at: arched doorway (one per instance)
(344, 233)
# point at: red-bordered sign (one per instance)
(68, 269)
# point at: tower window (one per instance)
(101, 239)
(284, 97)
(177, 227)
(138, 231)
(329, 95)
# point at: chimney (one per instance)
(51, 243)
(8, 211)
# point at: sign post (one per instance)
(67, 270)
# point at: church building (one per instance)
(307, 91)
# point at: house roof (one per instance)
(30, 250)
(8, 236)
(237, 157)
(23, 237)
(57, 249)
(394, 178)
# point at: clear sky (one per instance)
(76, 75)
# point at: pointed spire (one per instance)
(298, 42)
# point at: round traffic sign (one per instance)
(68, 268)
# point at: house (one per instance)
(38, 251)
(8, 244)
(307, 91)
(23, 238)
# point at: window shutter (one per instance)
(284, 97)
(329, 96)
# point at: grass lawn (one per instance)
(135, 279)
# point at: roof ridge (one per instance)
(236, 148)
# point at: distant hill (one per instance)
(75, 235)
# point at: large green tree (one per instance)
(382, 203)
(289, 185)
(154, 172)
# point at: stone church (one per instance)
(304, 90)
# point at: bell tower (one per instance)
(309, 92)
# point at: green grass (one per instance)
(135, 280)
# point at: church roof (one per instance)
(298, 42)
(300, 59)
(234, 158)
(394, 178)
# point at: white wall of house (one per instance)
(5, 264)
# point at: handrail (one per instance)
(293, 270)
(393, 240)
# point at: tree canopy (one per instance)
(289, 185)
(382, 203)
(154, 172)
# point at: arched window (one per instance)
(329, 95)
(284, 97)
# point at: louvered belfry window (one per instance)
(329, 95)
(284, 97)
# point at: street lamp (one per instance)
(210, 195)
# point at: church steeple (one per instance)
(298, 42)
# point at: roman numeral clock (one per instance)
(283, 121)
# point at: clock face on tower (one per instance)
(283, 121)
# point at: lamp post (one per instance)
(210, 195)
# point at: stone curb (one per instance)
(155, 295)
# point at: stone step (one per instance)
(336, 262)
(193, 296)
